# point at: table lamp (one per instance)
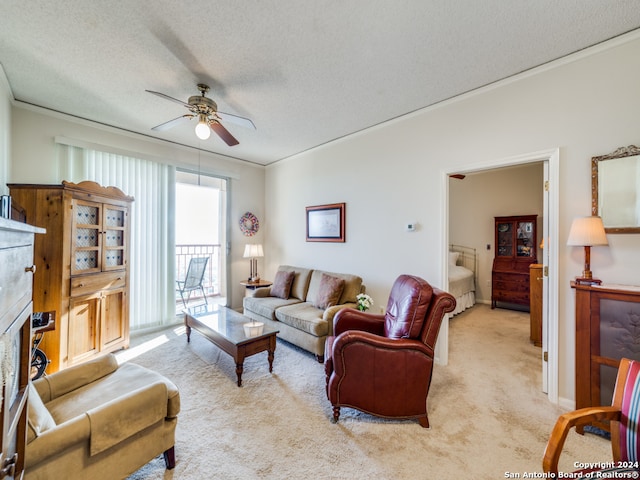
(587, 232)
(252, 251)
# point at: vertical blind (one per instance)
(152, 250)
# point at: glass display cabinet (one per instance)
(515, 250)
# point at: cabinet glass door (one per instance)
(86, 239)
(505, 239)
(524, 240)
(114, 255)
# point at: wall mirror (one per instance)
(615, 190)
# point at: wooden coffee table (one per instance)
(224, 328)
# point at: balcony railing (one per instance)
(211, 281)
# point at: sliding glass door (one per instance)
(201, 232)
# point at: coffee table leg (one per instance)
(239, 369)
(270, 352)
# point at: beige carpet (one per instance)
(488, 417)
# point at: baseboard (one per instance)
(567, 403)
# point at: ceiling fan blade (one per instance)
(223, 133)
(162, 95)
(237, 120)
(172, 123)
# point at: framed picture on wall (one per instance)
(325, 223)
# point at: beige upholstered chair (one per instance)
(99, 420)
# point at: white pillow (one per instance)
(453, 258)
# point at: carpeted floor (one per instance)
(488, 416)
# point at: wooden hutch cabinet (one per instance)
(607, 329)
(82, 267)
(16, 278)
(516, 249)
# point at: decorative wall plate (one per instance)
(249, 224)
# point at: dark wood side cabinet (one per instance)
(535, 302)
(16, 280)
(607, 329)
(515, 249)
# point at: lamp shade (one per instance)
(587, 231)
(253, 250)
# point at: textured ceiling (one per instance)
(305, 72)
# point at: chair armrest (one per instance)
(58, 439)
(60, 383)
(126, 415)
(352, 319)
(564, 423)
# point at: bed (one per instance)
(462, 276)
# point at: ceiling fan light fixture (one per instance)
(202, 128)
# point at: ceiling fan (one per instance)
(206, 110)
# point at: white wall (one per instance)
(478, 198)
(394, 173)
(34, 161)
(5, 131)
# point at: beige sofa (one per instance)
(99, 421)
(302, 318)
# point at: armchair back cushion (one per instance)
(407, 307)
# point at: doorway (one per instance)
(550, 162)
(200, 232)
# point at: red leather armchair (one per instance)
(382, 364)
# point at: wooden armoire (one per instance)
(82, 267)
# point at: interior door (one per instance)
(545, 280)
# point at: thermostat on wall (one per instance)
(411, 226)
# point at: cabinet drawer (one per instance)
(15, 282)
(86, 284)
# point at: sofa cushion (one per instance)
(329, 292)
(300, 281)
(305, 317)
(266, 306)
(39, 419)
(282, 284)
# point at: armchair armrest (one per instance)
(126, 415)
(60, 383)
(564, 423)
(58, 439)
(352, 319)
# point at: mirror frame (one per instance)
(621, 152)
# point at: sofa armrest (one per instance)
(60, 383)
(261, 292)
(330, 312)
(58, 439)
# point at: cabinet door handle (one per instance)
(9, 466)
(31, 269)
